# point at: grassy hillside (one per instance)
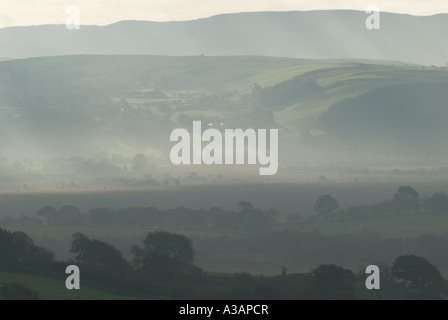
(181, 79)
(54, 289)
(391, 226)
(350, 80)
(348, 242)
(124, 105)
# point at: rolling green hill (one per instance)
(79, 107)
(84, 93)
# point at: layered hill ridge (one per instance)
(336, 34)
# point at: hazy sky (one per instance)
(102, 12)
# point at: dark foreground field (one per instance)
(287, 246)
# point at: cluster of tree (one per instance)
(22, 221)
(96, 252)
(163, 267)
(18, 251)
(410, 277)
(302, 249)
(164, 263)
(405, 201)
(65, 216)
(164, 256)
(246, 219)
(167, 257)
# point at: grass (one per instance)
(391, 226)
(54, 289)
(348, 80)
(340, 79)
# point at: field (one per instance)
(182, 79)
(224, 262)
(130, 105)
(392, 226)
(286, 198)
(50, 288)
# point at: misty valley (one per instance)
(192, 166)
(242, 253)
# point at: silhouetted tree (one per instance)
(18, 250)
(333, 282)
(407, 200)
(80, 246)
(96, 252)
(173, 245)
(50, 214)
(419, 276)
(100, 217)
(71, 216)
(254, 220)
(389, 288)
(162, 267)
(245, 206)
(105, 254)
(167, 256)
(326, 206)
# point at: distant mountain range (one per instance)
(333, 34)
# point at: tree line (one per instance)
(405, 201)
(163, 268)
(246, 219)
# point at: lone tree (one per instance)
(419, 276)
(96, 252)
(166, 255)
(172, 245)
(17, 250)
(71, 216)
(407, 200)
(80, 246)
(326, 206)
(50, 214)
